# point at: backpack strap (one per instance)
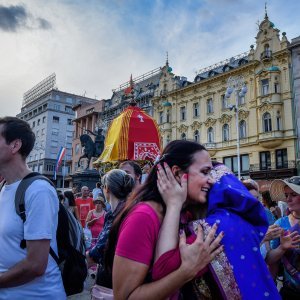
(20, 193)
(20, 203)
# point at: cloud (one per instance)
(15, 17)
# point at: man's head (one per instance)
(85, 192)
(17, 134)
(132, 169)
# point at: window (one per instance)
(232, 163)
(196, 136)
(224, 102)
(242, 129)
(38, 122)
(210, 108)
(55, 119)
(56, 106)
(43, 131)
(281, 159)
(69, 109)
(54, 143)
(33, 124)
(37, 134)
(210, 135)
(69, 121)
(196, 110)
(54, 131)
(225, 132)
(265, 160)
(161, 117)
(69, 100)
(264, 87)
(168, 116)
(50, 168)
(241, 100)
(44, 119)
(183, 136)
(182, 113)
(267, 122)
(276, 88)
(278, 122)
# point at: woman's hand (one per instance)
(174, 193)
(198, 255)
(274, 232)
(289, 240)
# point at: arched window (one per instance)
(225, 132)
(196, 136)
(267, 122)
(242, 129)
(210, 135)
(183, 136)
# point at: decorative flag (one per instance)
(59, 159)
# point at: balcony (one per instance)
(271, 139)
(257, 172)
(266, 55)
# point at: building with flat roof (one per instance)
(50, 115)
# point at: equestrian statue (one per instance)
(91, 148)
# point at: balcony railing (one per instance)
(257, 167)
(210, 145)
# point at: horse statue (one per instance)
(91, 148)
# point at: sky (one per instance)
(94, 45)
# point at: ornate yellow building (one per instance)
(200, 111)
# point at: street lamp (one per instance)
(237, 85)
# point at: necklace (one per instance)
(298, 218)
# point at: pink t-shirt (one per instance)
(138, 234)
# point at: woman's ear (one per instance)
(177, 172)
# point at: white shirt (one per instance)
(41, 205)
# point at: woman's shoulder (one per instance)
(150, 208)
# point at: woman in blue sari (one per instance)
(240, 271)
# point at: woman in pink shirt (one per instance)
(133, 237)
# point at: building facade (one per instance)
(86, 121)
(295, 80)
(50, 115)
(200, 111)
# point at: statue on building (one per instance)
(91, 148)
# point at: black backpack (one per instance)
(69, 236)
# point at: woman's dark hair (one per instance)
(178, 152)
(71, 198)
(267, 200)
(15, 128)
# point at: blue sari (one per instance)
(244, 222)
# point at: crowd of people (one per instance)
(183, 228)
